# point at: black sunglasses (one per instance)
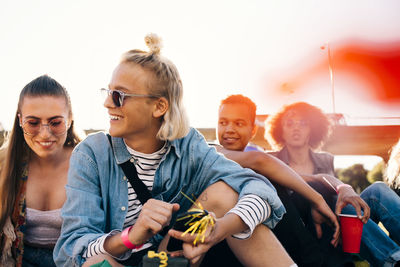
(118, 96)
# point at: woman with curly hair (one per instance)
(303, 115)
(300, 129)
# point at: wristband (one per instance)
(342, 185)
(126, 241)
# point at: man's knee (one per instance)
(218, 198)
(375, 190)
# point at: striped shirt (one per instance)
(253, 210)
(146, 166)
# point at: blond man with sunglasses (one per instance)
(104, 217)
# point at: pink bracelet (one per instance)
(342, 185)
(126, 241)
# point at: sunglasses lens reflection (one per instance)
(116, 97)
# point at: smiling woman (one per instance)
(34, 174)
(44, 121)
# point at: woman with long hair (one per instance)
(34, 174)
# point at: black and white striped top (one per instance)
(146, 166)
(253, 210)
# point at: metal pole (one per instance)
(331, 78)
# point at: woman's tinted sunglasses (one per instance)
(32, 126)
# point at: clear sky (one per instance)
(219, 47)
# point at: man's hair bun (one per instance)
(154, 43)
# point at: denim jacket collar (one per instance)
(122, 154)
(283, 155)
(318, 164)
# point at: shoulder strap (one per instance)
(129, 169)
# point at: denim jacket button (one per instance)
(124, 178)
(123, 208)
(132, 160)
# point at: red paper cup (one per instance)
(351, 227)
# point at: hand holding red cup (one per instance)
(351, 227)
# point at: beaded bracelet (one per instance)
(126, 241)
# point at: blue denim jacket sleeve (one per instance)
(84, 212)
(216, 167)
(82, 194)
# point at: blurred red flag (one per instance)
(376, 65)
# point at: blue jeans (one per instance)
(37, 257)
(376, 247)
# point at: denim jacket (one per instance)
(97, 190)
(323, 162)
